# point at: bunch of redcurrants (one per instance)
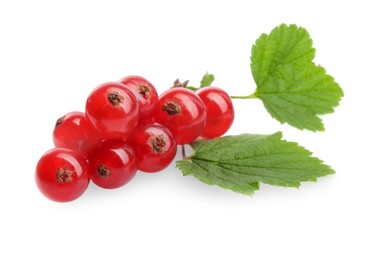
(126, 127)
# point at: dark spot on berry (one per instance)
(157, 143)
(102, 171)
(144, 91)
(171, 107)
(64, 175)
(115, 98)
(60, 121)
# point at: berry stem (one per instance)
(184, 156)
(192, 88)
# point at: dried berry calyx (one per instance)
(103, 172)
(115, 98)
(172, 107)
(144, 91)
(157, 143)
(63, 175)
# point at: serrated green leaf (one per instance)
(241, 162)
(293, 89)
(207, 80)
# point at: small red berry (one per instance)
(112, 164)
(113, 110)
(220, 111)
(183, 112)
(74, 132)
(154, 147)
(145, 93)
(62, 175)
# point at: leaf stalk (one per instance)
(253, 95)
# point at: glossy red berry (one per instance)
(112, 164)
(145, 93)
(183, 112)
(220, 111)
(62, 175)
(113, 110)
(74, 132)
(154, 147)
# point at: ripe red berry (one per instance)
(112, 164)
(74, 132)
(62, 175)
(145, 93)
(154, 147)
(183, 112)
(113, 110)
(220, 112)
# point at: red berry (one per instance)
(62, 175)
(183, 112)
(113, 110)
(112, 164)
(145, 93)
(154, 147)
(220, 112)
(74, 131)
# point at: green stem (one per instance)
(253, 95)
(192, 88)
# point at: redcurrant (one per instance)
(220, 112)
(154, 147)
(113, 110)
(75, 132)
(183, 112)
(145, 93)
(112, 164)
(62, 175)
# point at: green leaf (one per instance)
(293, 89)
(241, 162)
(207, 80)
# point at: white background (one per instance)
(52, 53)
